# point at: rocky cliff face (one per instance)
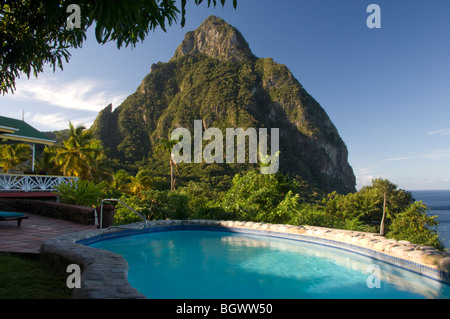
(213, 76)
(216, 39)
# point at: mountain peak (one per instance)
(236, 90)
(217, 39)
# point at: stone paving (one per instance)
(33, 232)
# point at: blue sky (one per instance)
(386, 90)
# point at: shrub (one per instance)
(255, 197)
(153, 204)
(313, 215)
(416, 226)
(125, 216)
(84, 193)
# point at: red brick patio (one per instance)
(33, 232)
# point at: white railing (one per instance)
(31, 183)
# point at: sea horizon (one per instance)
(438, 203)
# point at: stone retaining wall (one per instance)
(105, 274)
(78, 214)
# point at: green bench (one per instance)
(4, 216)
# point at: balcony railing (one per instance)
(31, 183)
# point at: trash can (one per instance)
(108, 215)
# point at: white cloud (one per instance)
(81, 94)
(53, 121)
(50, 103)
(401, 158)
(364, 177)
(437, 155)
(444, 132)
(57, 121)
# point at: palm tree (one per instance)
(141, 182)
(46, 161)
(81, 155)
(14, 156)
(165, 146)
(101, 167)
(121, 181)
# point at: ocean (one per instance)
(438, 202)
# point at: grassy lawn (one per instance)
(25, 278)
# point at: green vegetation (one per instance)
(125, 156)
(79, 154)
(265, 198)
(84, 193)
(25, 278)
(14, 156)
(278, 199)
(250, 196)
(36, 33)
(236, 90)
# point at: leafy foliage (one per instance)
(141, 182)
(416, 226)
(83, 193)
(121, 181)
(266, 198)
(14, 156)
(367, 204)
(78, 155)
(154, 204)
(35, 33)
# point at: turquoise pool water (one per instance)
(193, 264)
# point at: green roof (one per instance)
(22, 132)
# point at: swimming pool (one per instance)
(206, 264)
